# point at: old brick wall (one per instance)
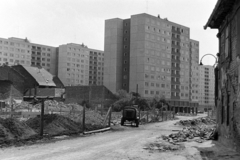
(228, 103)
(96, 94)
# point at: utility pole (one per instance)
(102, 100)
(42, 118)
(10, 101)
(89, 94)
(83, 118)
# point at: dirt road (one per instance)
(123, 143)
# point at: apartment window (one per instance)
(146, 84)
(146, 91)
(163, 85)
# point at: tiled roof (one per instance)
(221, 9)
(43, 77)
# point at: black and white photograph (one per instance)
(120, 80)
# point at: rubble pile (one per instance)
(197, 121)
(199, 129)
(54, 124)
(11, 129)
(199, 134)
(163, 146)
(93, 120)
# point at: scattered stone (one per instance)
(163, 147)
(197, 121)
(201, 128)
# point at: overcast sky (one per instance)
(56, 22)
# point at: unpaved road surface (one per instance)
(123, 143)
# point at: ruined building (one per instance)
(226, 18)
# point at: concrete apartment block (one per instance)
(22, 51)
(96, 67)
(194, 71)
(73, 64)
(155, 56)
(206, 88)
(113, 54)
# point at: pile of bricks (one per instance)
(199, 134)
(197, 121)
(199, 129)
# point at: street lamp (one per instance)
(216, 62)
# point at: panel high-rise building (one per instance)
(207, 83)
(154, 55)
(21, 51)
(80, 65)
(74, 64)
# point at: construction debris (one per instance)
(162, 146)
(189, 133)
(54, 124)
(199, 129)
(12, 129)
(197, 121)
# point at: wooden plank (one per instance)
(105, 120)
(96, 131)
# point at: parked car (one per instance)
(131, 114)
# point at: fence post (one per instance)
(166, 112)
(42, 118)
(162, 114)
(110, 116)
(173, 111)
(83, 120)
(147, 116)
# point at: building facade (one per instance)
(74, 64)
(154, 56)
(206, 88)
(80, 65)
(96, 66)
(21, 51)
(226, 18)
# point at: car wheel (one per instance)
(137, 123)
(122, 122)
